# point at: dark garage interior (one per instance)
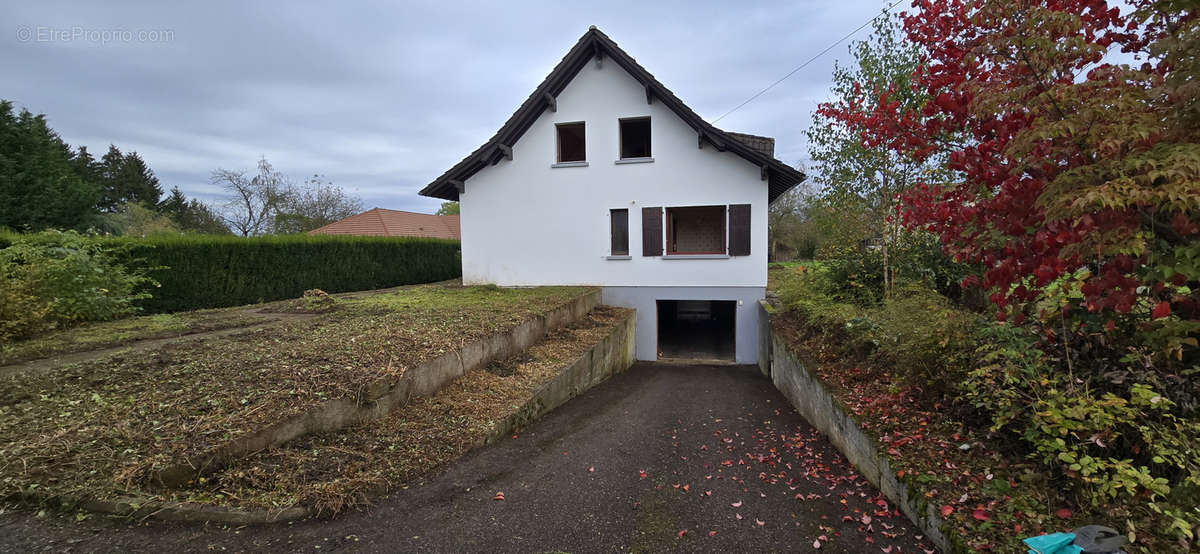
(697, 329)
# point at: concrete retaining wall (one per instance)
(612, 355)
(789, 372)
(383, 396)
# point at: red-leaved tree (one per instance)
(1063, 159)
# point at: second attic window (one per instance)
(571, 143)
(635, 138)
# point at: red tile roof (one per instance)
(378, 222)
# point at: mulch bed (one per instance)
(101, 427)
(331, 472)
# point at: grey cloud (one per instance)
(381, 98)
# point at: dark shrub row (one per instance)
(203, 271)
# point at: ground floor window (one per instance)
(619, 220)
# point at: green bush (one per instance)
(21, 313)
(919, 332)
(924, 336)
(56, 277)
(857, 270)
(1111, 443)
(811, 291)
(206, 271)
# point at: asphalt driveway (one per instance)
(661, 458)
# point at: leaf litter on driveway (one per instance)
(750, 463)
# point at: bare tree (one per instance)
(256, 200)
(317, 203)
(790, 231)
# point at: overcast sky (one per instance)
(381, 98)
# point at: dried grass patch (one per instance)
(332, 472)
(100, 428)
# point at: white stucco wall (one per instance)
(525, 223)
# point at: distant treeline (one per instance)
(45, 183)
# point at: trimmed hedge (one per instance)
(204, 271)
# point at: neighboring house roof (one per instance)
(595, 44)
(378, 222)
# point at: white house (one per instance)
(604, 177)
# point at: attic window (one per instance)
(571, 144)
(635, 138)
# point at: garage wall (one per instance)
(643, 299)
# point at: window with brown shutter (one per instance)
(739, 230)
(696, 230)
(619, 219)
(652, 232)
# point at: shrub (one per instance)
(926, 338)
(21, 313)
(66, 277)
(810, 290)
(1124, 444)
(204, 271)
(915, 256)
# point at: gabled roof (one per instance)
(592, 45)
(379, 222)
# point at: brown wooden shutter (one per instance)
(652, 232)
(739, 229)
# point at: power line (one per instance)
(810, 60)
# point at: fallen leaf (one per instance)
(737, 504)
(980, 514)
(866, 519)
(1163, 309)
(683, 532)
(947, 510)
(591, 469)
(711, 533)
(739, 516)
(499, 496)
(816, 544)
(642, 474)
(1064, 513)
(759, 522)
(888, 549)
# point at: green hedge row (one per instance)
(217, 271)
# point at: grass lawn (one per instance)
(123, 331)
(101, 427)
(778, 270)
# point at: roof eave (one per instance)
(588, 46)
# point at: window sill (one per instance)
(618, 257)
(624, 161)
(569, 164)
(696, 257)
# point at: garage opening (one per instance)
(697, 329)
